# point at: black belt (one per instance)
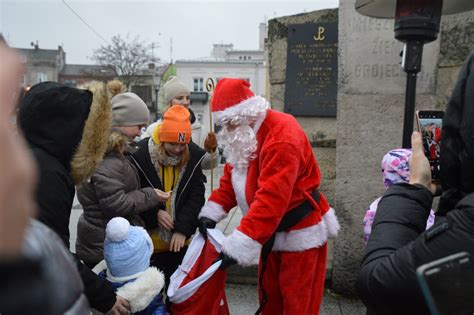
(290, 219)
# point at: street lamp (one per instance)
(156, 84)
(416, 23)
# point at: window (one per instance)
(199, 115)
(41, 77)
(198, 85)
(245, 57)
(144, 92)
(240, 57)
(249, 57)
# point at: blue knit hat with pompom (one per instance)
(127, 248)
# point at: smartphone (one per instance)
(429, 124)
(447, 284)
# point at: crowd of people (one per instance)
(143, 196)
(144, 199)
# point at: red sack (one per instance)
(198, 286)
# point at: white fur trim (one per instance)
(247, 107)
(259, 122)
(239, 178)
(242, 248)
(332, 223)
(310, 237)
(143, 290)
(213, 211)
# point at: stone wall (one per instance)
(456, 43)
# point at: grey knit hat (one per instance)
(129, 110)
(174, 87)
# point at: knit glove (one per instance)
(210, 144)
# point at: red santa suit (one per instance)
(281, 177)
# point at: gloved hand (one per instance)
(210, 144)
(204, 224)
(226, 261)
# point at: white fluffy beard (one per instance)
(239, 144)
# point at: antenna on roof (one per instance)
(171, 50)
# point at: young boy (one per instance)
(127, 252)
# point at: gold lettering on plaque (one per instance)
(320, 34)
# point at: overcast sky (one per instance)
(193, 25)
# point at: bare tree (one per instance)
(127, 56)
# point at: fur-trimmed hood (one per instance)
(91, 149)
(118, 142)
(140, 292)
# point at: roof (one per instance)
(220, 61)
(79, 70)
(245, 51)
(158, 71)
(39, 54)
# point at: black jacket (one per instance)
(190, 193)
(52, 118)
(457, 145)
(399, 244)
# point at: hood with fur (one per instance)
(70, 124)
(91, 149)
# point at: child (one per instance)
(127, 252)
(395, 169)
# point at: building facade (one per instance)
(41, 64)
(201, 75)
(76, 75)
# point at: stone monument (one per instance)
(371, 98)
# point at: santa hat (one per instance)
(233, 98)
(127, 248)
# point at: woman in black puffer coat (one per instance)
(398, 243)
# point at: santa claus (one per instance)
(271, 174)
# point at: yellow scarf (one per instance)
(169, 177)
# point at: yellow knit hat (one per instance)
(176, 126)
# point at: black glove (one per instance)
(226, 260)
(204, 224)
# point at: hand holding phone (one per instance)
(429, 123)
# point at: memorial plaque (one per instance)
(311, 70)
